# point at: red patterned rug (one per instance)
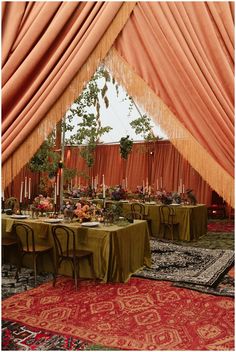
(138, 315)
(220, 226)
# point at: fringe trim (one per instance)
(25, 151)
(185, 143)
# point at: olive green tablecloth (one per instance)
(119, 251)
(192, 220)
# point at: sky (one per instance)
(118, 117)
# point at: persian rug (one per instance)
(193, 265)
(137, 315)
(224, 287)
(220, 226)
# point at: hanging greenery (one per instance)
(45, 160)
(126, 145)
(86, 110)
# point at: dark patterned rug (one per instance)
(223, 287)
(192, 265)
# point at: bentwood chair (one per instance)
(27, 246)
(8, 242)
(167, 220)
(140, 208)
(131, 216)
(67, 251)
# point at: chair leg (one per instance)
(54, 268)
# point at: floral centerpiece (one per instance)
(85, 211)
(42, 204)
(118, 193)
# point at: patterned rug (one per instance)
(223, 287)
(193, 265)
(138, 315)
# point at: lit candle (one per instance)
(21, 191)
(126, 183)
(147, 183)
(55, 193)
(161, 181)
(103, 187)
(29, 195)
(157, 185)
(183, 188)
(25, 187)
(57, 185)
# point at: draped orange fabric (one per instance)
(49, 51)
(184, 51)
(165, 165)
(188, 66)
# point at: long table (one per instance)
(118, 251)
(192, 220)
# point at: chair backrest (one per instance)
(133, 215)
(138, 208)
(25, 236)
(11, 203)
(64, 240)
(167, 214)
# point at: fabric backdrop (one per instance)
(164, 166)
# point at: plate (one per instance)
(174, 204)
(19, 216)
(90, 224)
(53, 221)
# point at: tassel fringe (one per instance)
(185, 143)
(25, 152)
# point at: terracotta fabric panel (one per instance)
(50, 51)
(47, 57)
(187, 48)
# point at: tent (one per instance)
(175, 58)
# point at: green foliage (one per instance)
(89, 129)
(69, 174)
(45, 160)
(142, 125)
(126, 145)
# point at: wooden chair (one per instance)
(132, 215)
(8, 242)
(67, 251)
(167, 220)
(27, 246)
(140, 208)
(11, 203)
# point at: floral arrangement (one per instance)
(85, 212)
(118, 193)
(42, 203)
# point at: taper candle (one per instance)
(21, 191)
(29, 194)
